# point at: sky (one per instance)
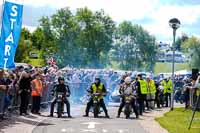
(153, 15)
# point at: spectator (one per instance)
(37, 87)
(24, 90)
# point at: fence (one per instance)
(193, 99)
(2, 98)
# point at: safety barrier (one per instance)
(193, 99)
(2, 99)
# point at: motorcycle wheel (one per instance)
(96, 110)
(59, 110)
(127, 111)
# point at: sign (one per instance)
(10, 32)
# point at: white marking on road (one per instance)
(89, 130)
(70, 130)
(91, 125)
(63, 130)
(122, 130)
(104, 130)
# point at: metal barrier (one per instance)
(2, 101)
(193, 99)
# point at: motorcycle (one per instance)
(128, 106)
(60, 104)
(96, 107)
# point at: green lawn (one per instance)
(37, 62)
(167, 67)
(160, 67)
(177, 121)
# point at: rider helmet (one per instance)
(60, 79)
(128, 80)
(97, 80)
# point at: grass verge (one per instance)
(166, 67)
(177, 121)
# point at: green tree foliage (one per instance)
(45, 38)
(38, 38)
(87, 39)
(192, 46)
(82, 39)
(180, 41)
(134, 47)
(95, 36)
(66, 30)
(24, 47)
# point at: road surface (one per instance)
(79, 124)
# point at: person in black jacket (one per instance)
(61, 87)
(24, 90)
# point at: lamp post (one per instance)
(174, 24)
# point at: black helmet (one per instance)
(97, 80)
(60, 78)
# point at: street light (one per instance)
(175, 24)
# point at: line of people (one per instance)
(18, 86)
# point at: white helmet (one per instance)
(128, 80)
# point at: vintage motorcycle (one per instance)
(128, 106)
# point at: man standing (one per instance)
(25, 90)
(122, 104)
(97, 87)
(151, 92)
(141, 87)
(167, 84)
(36, 93)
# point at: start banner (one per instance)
(10, 32)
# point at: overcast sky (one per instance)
(153, 15)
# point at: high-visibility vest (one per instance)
(151, 87)
(198, 92)
(38, 87)
(167, 86)
(98, 90)
(143, 86)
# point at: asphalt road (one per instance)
(79, 124)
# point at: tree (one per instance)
(24, 47)
(134, 47)
(44, 38)
(82, 39)
(95, 36)
(180, 41)
(38, 38)
(192, 46)
(66, 30)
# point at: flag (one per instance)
(10, 32)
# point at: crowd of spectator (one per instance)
(16, 85)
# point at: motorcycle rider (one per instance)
(127, 88)
(99, 87)
(61, 87)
